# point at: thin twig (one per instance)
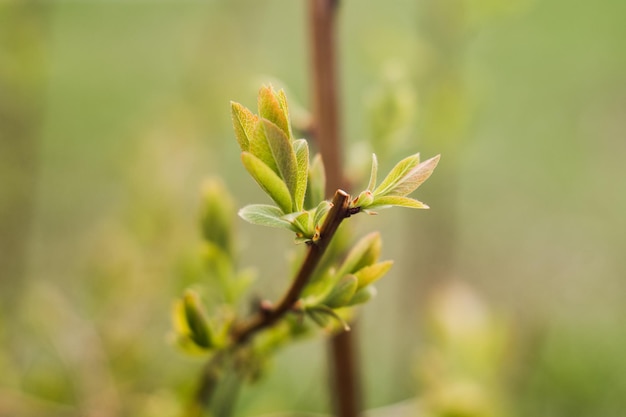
(338, 212)
(268, 317)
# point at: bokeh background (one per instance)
(508, 297)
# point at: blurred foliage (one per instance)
(106, 139)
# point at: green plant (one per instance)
(325, 289)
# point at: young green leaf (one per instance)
(320, 285)
(271, 109)
(244, 123)
(302, 156)
(364, 200)
(369, 274)
(282, 100)
(302, 224)
(363, 295)
(260, 147)
(320, 212)
(414, 178)
(342, 293)
(322, 319)
(284, 155)
(365, 252)
(322, 315)
(373, 174)
(265, 215)
(393, 200)
(397, 174)
(199, 330)
(269, 181)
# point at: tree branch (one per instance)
(266, 318)
(322, 15)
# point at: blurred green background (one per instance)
(113, 113)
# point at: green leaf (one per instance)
(244, 123)
(317, 183)
(320, 212)
(364, 253)
(284, 155)
(199, 330)
(301, 224)
(393, 200)
(265, 215)
(269, 181)
(260, 147)
(364, 200)
(397, 174)
(320, 318)
(322, 315)
(363, 295)
(271, 109)
(372, 273)
(373, 174)
(415, 177)
(320, 285)
(282, 100)
(342, 293)
(188, 346)
(302, 156)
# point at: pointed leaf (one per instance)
(265, 215)
(244, 123)
(364, 200)
(322, 315)
(199, 330)
(302, 156)
(364, 253)
(269, 181)
(189, 347)
(363, 295)
(398, 172)
(282, 100)
(284, 155)
(320, 318)
(270, 108)
(415, 177)
(320, 285)
(179, 319)
(372, 273)
(393, 200)
(260, 147)
(342, 293)
(321, 211)
(301, 223)
(373, 174)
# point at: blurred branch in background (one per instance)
(327, 128)
(23, 65)
(23, 30)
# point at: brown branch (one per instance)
(322, 14)
(267, 317)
